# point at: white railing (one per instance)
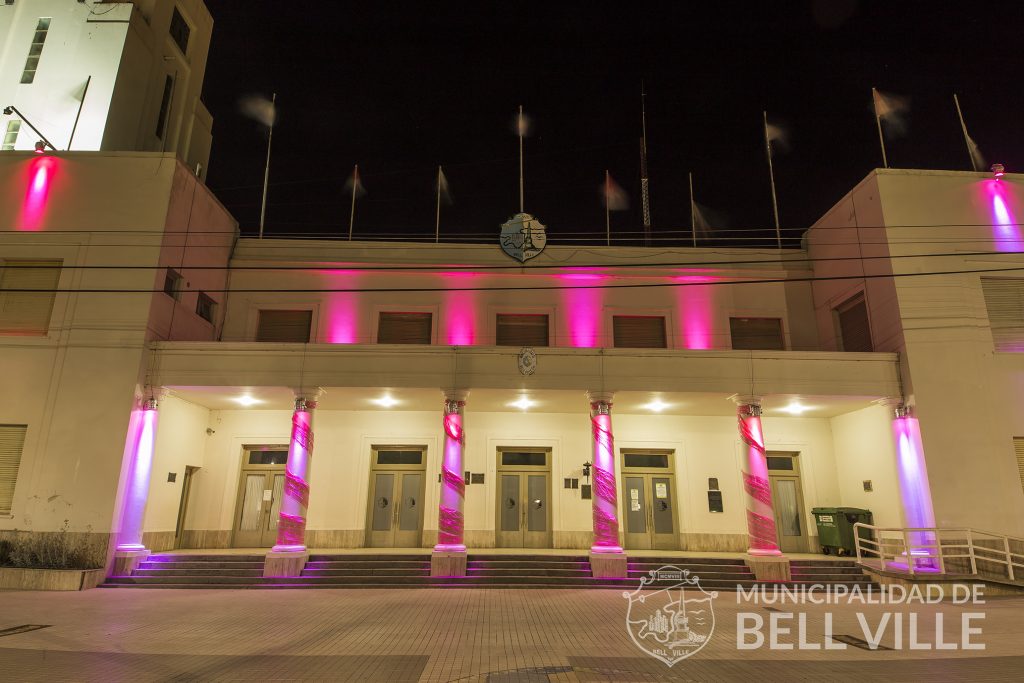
(949, 551)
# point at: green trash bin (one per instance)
(835, 528)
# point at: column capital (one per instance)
(459, 395)
(898, 406)
(600, 397)
(306, 398)
(746, 399)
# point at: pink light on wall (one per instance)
(41, 171)
(1005, 230)
(342, 324)
(139, 446)
(696, 311)
(583, 309)
(913, 473)
(460, 318)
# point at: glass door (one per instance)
(648, 493)
(787, 502)
(258, 509)
(394, 517)
(523, 499)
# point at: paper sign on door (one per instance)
(268, 494)
(661, 490)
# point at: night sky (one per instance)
(402, 87)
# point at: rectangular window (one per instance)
(165, 105)
(659, 460)
(399, 457)
(205, 307)
(180, 31)
(1018, 450)
(404, 328)
(521, 329)
(12, 441)
(1004, 299)
(852, 320)
(757, 334)
(35, 50)
(27, 312)
(172, 283)
(284, 326)
(639, 331)
(780, 462)
(268, 457)
(11, 135)
(524, 459)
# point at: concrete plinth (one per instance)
(127, 561)
(447, 563)
(608, 565)
(285, 564)
(769, 568)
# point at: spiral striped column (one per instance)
(760, 517)
(605, 502)
(450, 523)
(291, 524)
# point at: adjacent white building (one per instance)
(109, 76)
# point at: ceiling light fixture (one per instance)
(657, 405)
(386, 401)
(246, 400)
(523, 403)
(795, 408)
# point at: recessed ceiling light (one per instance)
(386, 401)
(523, 403)
(246, 400)
(657, 405)
(795, 408)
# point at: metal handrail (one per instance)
(916, 550)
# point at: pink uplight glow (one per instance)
(695, 311)
(342, 322)
(139, 446)
(460, 328)
(1006, 232)
(583, 316)
(41, 171)
(913, 474)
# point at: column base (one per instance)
(607, 564)
(448, 562)
(769, 568)
(127, 560)
(283, 564)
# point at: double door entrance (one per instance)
(260, 491)
(523, 498)
(648, 490)
(394, 517)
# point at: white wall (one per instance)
(865, 450)
(180, 442)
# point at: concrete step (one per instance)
(506, 564)
(381, 571)
(366, 566)
(209, 557)
(201, 565)
(342, 557)
(528, 571)
(198, 572)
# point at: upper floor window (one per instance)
(180, 31)
(404, 328)
(757, 334)
(639, 331)
(27, 292)
(521, 329)
(1004, 299)
(172, 283)
(11, 135)
(284, 326)
(205, 307)
(851, 318)
(35, 50)
(12, 441)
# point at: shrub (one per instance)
(55, 550)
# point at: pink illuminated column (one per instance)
(450, 522)
(915, 492)
(760, 518)
(291, 526)
(605, 505)
(139, 447)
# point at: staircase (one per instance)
(169, 570)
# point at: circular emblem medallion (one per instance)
(527, 361)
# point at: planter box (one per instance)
(16, 578)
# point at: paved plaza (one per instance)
(507, 636)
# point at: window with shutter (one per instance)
(639, 331)
(404, 328)
(12, 441)
(1018, 449)
(284, 326)
(757, 334)
(1004, 299)
(205, 307)
(521, 329)
(852, 319)
(27, 312)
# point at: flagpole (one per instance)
(437, 220)
(519, 129)
(693, 212)
(81, 104)
(771, 176)
(607, 208)
(266, 170)
(967, 138)
(878, 122)
(352, 214)
(644, 182)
